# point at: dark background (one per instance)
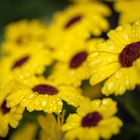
(12, 10)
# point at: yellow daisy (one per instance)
(128, 9)
(77, 21)
(25, 31)
(93, 120)
(22, 34)
(72, 67)
(26, 62)
(117, 59)
(73, 71)
(9, 116)
(39, 94)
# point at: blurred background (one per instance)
(12, 10)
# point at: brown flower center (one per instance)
(73, 20)
(91, 119)
(4, 108)
(129, 54)
(20, 62)
(19, 40)
(78, 59)
(45, 89)
(23, 39)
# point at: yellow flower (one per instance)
(22, 34)
(117, 59)
(40, 94)
(50, 130)
(72, 68)
(93, 120)
(128, 9)
(25, 31)
(9, 116)
(26, 62)
(28, 132)
(77, 21)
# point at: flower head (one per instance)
(95, 119)
(23, 34)
(77, 21)
(40, 94)
(117, 60)
(26, 62)
(25, 31)
(72, 68)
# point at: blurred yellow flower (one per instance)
(25, 31)
(25, 62)
(72, 67)
(117, 59)
(28, 132)
(128, 9)
(77, 21)
(40, 94)
(93, 120)
(9, 116)
(50, 130)
(23, 34)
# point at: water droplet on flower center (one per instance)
(45, 89)
(20, 62)
(78, 59)
(91, 119)
(73, 20)
(130, 54)
(4, 108)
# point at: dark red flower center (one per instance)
(73, 20)
(129, 54)
(19, 40)
(20, 62)
(45, 89)
(4, 108)
(78, 59)
(91, 119)
(23, 39)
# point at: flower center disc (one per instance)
(20, 62)
(45, 89)
(78, 59)
(4, 109)
(129, 54)
(91, 119)
(73, 21)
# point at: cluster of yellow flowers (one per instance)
(44, 67)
